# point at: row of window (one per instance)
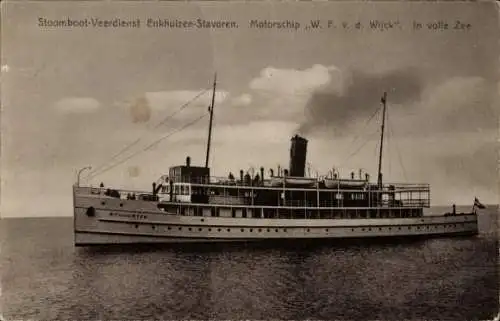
(428, 227)
(215, 212)
(200, 229)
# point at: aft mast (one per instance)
(211, 108)
(383, 100)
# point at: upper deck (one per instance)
(289, 194)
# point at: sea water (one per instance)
(44, 277)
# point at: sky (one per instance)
(75, 97)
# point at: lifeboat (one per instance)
(343, 183)
(293, 181)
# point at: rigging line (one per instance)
(365, 125)
(127, 147)
(400, 158)
(360, 147)
(355, 139)
(181, 108)
(175, 131)
(149, 146)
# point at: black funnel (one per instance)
(298, 152)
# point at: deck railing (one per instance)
(412, 195)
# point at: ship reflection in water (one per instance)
(445, 278)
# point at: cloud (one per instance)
(77, 105)
(242, 100)
(331, 108)
(292, 81)
(460, 104)
(280, 94)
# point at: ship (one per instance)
(188, 205)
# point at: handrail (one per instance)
(224, 180)
(398, 189)
(415, 200)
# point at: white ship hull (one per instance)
(117, 221)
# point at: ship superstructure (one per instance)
(190, 205)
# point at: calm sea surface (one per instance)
(45, 278)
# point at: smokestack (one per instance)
(262, 173)
(188, 161)
(298, 153)
(241, 175)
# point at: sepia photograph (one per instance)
(249, 160)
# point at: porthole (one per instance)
(169, 228)
(409, 227)
(369, 229)
(268, 230)
(153, 227)
(276, 230)
(260, 230)
(203, 220)
(326, 230)
(199, 229)
(121, 204)
(180, 228)
(218, 230)
(399, 228)
(189, 228)
(103, 203)
(242, 230)
(209, 229)
(136, 226)
(380, 229)
(308, 230)
(284, 230)
(251, 230)
(363, 229)
(229, 230)
(390, 228)
(352, 230)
